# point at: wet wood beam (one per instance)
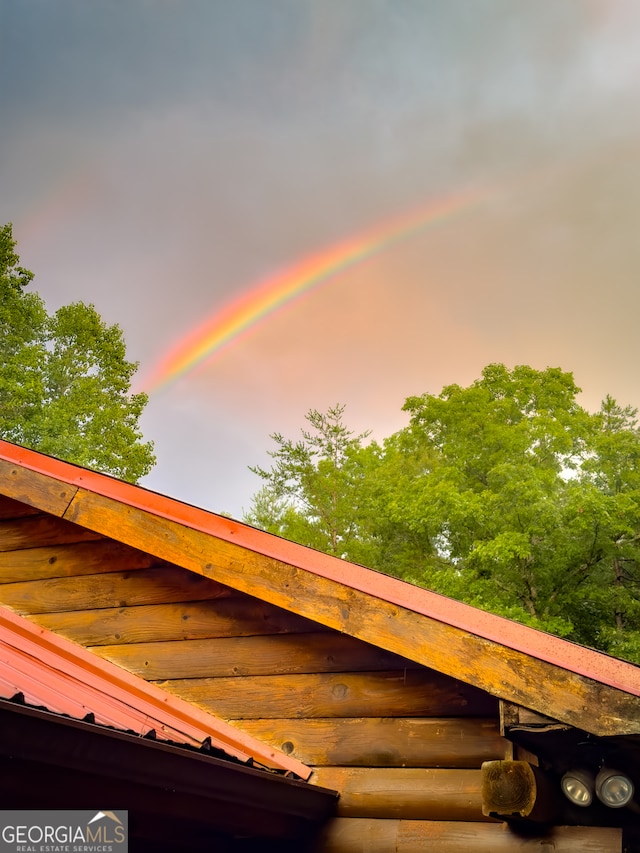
(344, 694)
(35, 489)
(129, 588)
(70, 560)
(40, 530)
(234, 615)
(250, 656)
(462, 742)
(405, 793)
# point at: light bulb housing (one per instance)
(613, 788)
(578, 786)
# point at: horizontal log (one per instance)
(410, 693)
(250, 656)
(384, 741)
(237, 615)
(10, 508)
(502, 671)
(154, 585)
(367, 835)
(406, 793)
(80, 558)
(35, 489)
(40, 530)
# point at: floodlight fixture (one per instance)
(613, 788)
(578, 786)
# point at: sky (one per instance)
(171, 160)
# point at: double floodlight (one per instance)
(612, 788)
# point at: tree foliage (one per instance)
(65, 379)
(310, 493)
(506, 494)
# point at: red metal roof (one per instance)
(53, 672)
(578, 659)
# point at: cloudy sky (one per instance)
(161, 158)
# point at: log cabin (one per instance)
(232, 689)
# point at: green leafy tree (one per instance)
(331, 491)
(23, 322)
(313, 492)
(533, 501)
(495, 498)
(611, 477)
(65, 379)
(506, 494)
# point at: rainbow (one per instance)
(244, 313)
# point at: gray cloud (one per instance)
(158, 158)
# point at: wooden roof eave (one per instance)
(577, 686)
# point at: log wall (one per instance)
(402, 743)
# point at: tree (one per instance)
(495, 498)
(313, 491)
(536, 503)
(64, 381)
(506, 494)
(611, 472)
(22, 330)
